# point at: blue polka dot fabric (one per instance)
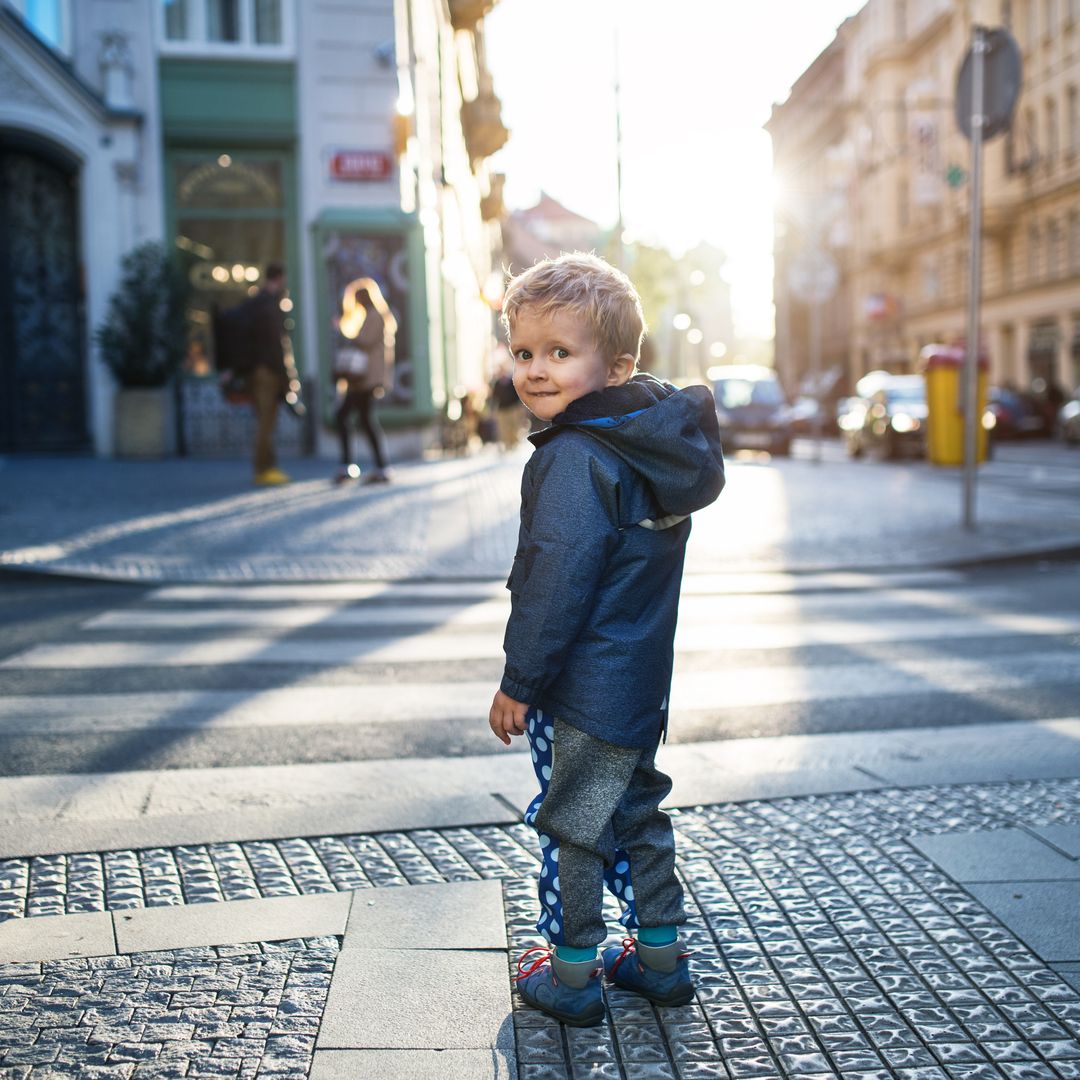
(540, 731)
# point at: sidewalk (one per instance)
(197, 520)
(897, 904)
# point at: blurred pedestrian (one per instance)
(509, 414)
(269, 372)
(363, 369)
(605, 504)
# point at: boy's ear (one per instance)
(620, 369)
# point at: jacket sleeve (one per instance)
(568, 534)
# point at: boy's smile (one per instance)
(557, 361)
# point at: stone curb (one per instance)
(201, 576)
(704, 773)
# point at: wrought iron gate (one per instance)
(42, 332)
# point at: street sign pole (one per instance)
(971, 358)
(815, 376)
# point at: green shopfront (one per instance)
(233, 205)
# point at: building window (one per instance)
(1034, 239)
(1072, 119)
(901, 20)
(1074, 242)
(49, 19)
(226, 27)
(176, 20)
(1031, 131)
(268, 22)
(1072, 11)
(1031, 30)
(223, 20)
(1049, 18)
(1052, 144)
(1053, 250)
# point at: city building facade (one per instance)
(896, 185)
(346, 140)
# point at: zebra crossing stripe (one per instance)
(469, 645)
(696, 608)
(733, 584)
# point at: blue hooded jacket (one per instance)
(605, 505)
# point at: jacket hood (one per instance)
(670, 437)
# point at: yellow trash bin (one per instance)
(943, 367)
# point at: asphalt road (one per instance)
(97, 677)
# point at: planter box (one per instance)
(144, 423)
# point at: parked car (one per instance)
(805, 410)
(752, 410)
(890, 419)
(1015, 415)
(1069, 420)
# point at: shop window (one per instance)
(255, 27)
(230, 213)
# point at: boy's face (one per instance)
(557, 360)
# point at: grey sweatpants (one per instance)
(599, 822)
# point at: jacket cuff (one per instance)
(526, 692)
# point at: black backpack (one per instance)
(234, 338)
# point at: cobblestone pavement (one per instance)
(825, 945)
(231, 1011)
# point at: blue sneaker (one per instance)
(572, 993)
(660, 973)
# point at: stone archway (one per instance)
(42, 317)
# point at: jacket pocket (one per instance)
(517, 575)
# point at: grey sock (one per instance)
(662, 958)
(575, 975)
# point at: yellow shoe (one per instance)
(271, 478)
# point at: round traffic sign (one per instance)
(1001, 84)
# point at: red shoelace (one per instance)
(629, 945)
(536, 965)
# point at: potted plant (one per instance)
(143, 341)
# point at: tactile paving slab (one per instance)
(825, 944)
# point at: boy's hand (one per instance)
(507, 717)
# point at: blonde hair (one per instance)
(353, 313)
(590, 288)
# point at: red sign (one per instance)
(360, 165)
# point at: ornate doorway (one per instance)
(42, 332)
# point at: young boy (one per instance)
(605, 505)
